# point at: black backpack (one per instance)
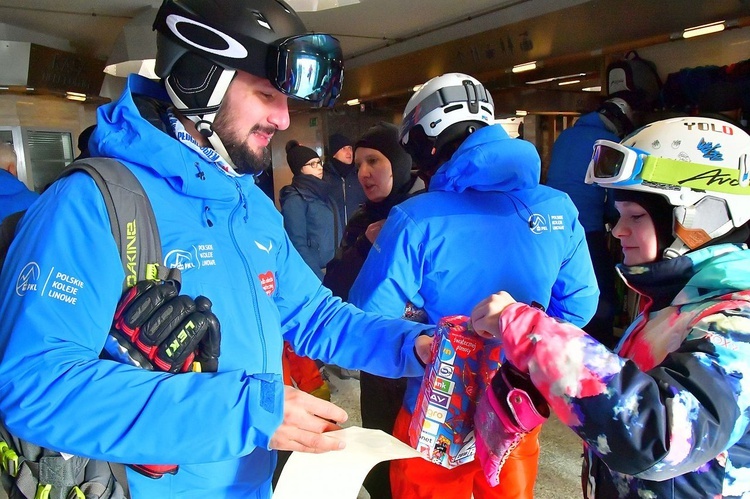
(33, 472)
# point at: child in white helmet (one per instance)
(664, 416)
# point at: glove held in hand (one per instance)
(509, 409)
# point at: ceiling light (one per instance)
(704, 29)
(75, 96)
(555, 78)
(318, 5)
(527, 66)
(417, 88)
(569, 82)
(352, 102)
(521, 112)
(598, 88)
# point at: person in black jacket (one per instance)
(340, 175)
(310, 215)
(384, 171)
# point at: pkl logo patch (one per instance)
(28, 278)
(440, 399)
(537, 223)
(179, 259)
(268, 281)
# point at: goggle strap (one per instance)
(692, 175)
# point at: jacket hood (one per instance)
(9, 184)
(489, 160)
(125, 130)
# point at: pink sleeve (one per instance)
(564, 362)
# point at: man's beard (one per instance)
(245, 160)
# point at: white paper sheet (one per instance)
(339, 474)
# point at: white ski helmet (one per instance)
(700, 165)
(444, 109)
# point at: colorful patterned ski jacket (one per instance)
(63, 279)
(666, 417)
(484, 225)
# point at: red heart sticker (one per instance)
(268, 282)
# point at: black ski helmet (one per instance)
(202, 43)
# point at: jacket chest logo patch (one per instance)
(268, 281)
(200, 255)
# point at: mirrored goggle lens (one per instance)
(309, 68)
(608, 162)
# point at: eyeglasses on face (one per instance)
(314, 163)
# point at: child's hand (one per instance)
(485, 317)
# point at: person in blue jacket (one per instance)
(571, 154)
(310, 214)
(14, 195)
(194, 140)
(484, 221)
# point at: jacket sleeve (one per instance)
(387, 284)
(575, 293)
(294, 211)
(657, 424)
(60, 286)
(321, 326)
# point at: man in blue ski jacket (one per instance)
(194, 140)
(14, 195)
(484, 223)
(571, 154)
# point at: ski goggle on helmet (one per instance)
(700, 165)
(265, 38)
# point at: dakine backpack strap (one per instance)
(130, 215)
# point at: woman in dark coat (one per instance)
(310, 216)
(384, 170)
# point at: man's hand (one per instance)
(423, 346)
(485, 318)
(306, 419)
(372, 231)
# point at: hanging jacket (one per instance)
(62, 281)
(344, 188)
(14, 195)
(571, 154)
(484, 225)
(311, 220)
(665, 416)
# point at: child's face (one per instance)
(636, 233)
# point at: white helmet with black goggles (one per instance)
(700, 165)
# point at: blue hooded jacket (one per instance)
(14, 195)
(62, 282)
(485, 225)
(571, 155)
